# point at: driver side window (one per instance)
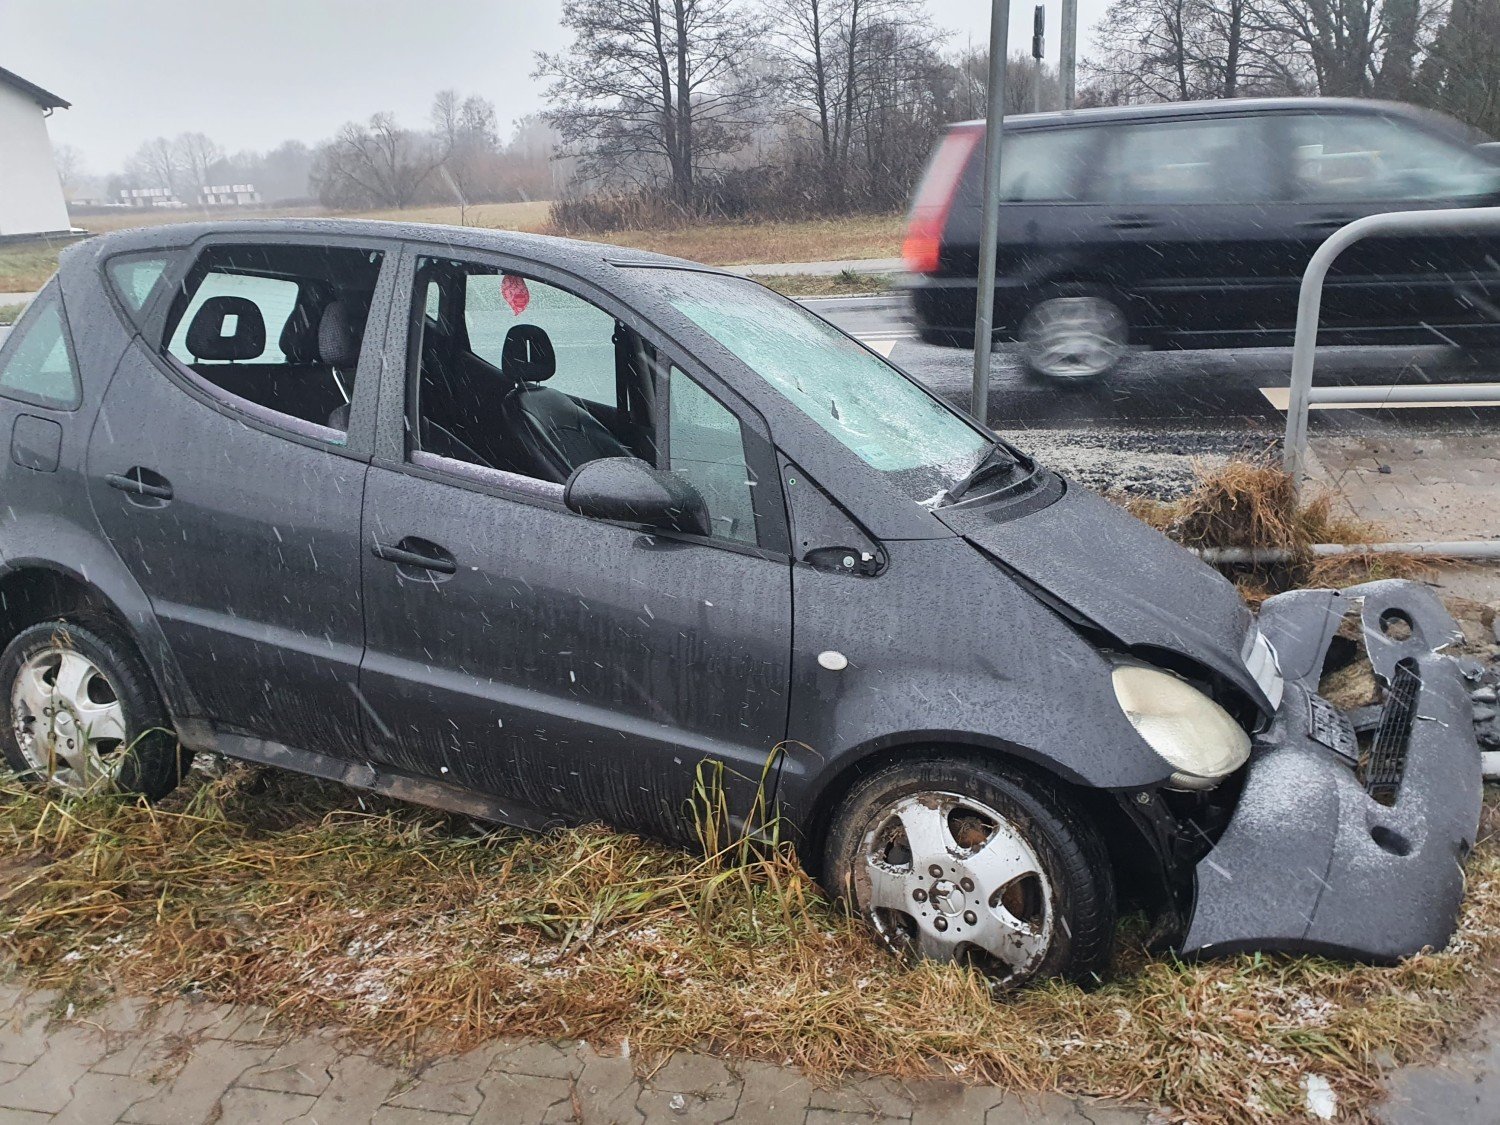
(526, 379)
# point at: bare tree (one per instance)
(376, 164)
(653, 87)
(1461, 72)
(1354, 48)
(466, 134)
(70, 170)
(155, 164)
(1179, 50)
(196, 153)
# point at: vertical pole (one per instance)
(1067, 62)
(984, 294)
(1038, 49)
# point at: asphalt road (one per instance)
(1143, 426)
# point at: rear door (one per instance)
(1343, 166)
(1185, 228)
(222, 482)
(575, 666)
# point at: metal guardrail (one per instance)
(1302, 393)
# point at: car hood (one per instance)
(1121, 575)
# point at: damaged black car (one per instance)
(532, 529)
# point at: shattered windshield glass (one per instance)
(870, 407)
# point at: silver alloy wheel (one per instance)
(69, 724)
(949, 878)
(1073, 337)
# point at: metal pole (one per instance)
(989, 237)
(1067, 60)
(1310, 303)
(1038, 49)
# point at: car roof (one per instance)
(1220, 107)
(571, 254)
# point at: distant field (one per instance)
(26, 267)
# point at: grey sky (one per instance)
(253, 73)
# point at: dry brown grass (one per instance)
(733, 244)
(845, 283)
(407, 927)
(1250, 503)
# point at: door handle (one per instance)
(1132, 222)
(429, 557)
(141, 482)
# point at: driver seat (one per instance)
(553, 433)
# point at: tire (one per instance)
(105, 724)
(1033, 897)
(1074, 337)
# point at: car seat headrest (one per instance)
(527, 355)
(229, 328)
(339, 332)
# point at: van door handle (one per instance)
(141, 482)
(1132, 222)
(417, 553)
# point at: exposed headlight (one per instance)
(1198, 738)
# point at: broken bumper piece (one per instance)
(1346, 849)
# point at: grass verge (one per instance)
(9, 314)
(845, 283)
(733, 244)
(406, 927)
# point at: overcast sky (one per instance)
(254, 73)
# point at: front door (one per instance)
(578, 667)
(228, 475)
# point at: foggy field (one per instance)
(26, 267)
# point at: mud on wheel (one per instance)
(78, 710)
(955, 859)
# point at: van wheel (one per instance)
(1077, 337)
(78, 710)
(956, 859)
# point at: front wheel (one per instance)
(955, 859)
(1073, 338)
(78, 710)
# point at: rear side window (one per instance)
(1042, 167)
(274, 297)
(1214, 160)
(1340, 157)
(134, 277)
(36, 364)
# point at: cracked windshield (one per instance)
(622, 562)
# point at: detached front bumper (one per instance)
(1311, 861)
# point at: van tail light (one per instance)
(934, 198)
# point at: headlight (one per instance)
(1197, 737)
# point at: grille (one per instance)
(1386, 761)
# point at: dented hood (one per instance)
(1123, 576)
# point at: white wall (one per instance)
(31, 199)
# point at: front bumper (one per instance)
(1311, 861)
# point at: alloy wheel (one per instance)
(69, 722)
(1073, 337)
(945, 877)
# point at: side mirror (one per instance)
(627, 490)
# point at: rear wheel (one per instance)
(955, 859)
(1078, 337)
(78, 710)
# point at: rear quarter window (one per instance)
(36, 361)
(1040, 166)
(134, 278)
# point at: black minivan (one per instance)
(1189, 225)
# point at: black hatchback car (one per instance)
(1190, 224)
(532, 529)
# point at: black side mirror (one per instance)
(627, 490)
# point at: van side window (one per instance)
(36, 365)
(1042, 166)
(1218, 160)
(280, 327)
(1344, 157)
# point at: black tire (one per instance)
(1068, 848)
(148, 760)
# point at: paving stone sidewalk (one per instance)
(206, 1064)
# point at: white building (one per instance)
(31, 197)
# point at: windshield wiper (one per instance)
(996, 461)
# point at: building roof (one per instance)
(43, 98)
